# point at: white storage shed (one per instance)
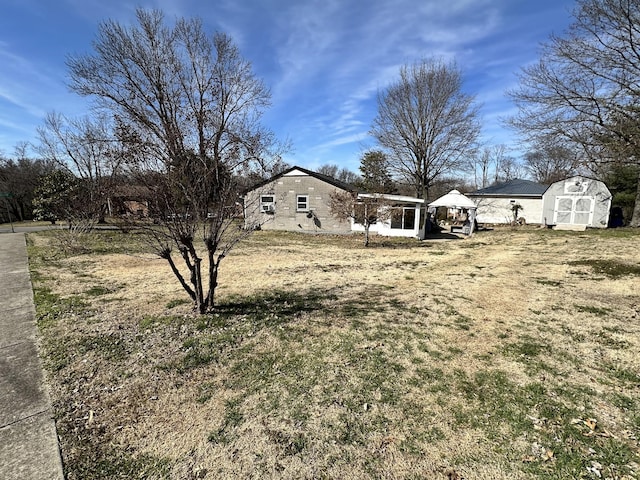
(577, 202)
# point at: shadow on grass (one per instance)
(274, 307)
(237, 320)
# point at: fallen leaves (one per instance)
(592, 428)
(539, 453)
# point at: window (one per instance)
(302, 203)
(403, 218)
(576, 186)
(396, 218)
(267, 203)
(409, 218)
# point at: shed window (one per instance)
(302, 203)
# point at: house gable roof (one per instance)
(299, 171)
(513, 188)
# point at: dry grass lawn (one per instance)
(509, 355)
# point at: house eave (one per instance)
(392, 198)
(502, 195)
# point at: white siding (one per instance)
(498, 210)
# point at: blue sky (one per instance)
(324, 60)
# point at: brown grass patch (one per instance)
(505, 355)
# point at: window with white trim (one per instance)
(302, 203)
(403, 218)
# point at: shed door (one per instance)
(574, 210)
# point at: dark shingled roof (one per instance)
(319, 176)
(516, 188)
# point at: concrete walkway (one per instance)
(28, 439)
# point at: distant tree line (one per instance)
(20, 175)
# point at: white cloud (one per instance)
(21, 82)
(325, 60)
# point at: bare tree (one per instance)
(347, 176)
(252, 175)
(87, 148)
(549, 162)
(365, 209)
(329, 169)
(481, 166)
(188, 110)
(343, 174)
(427, 124)
(491, 165)
(509, 169)
(368, 208)
(584, 89)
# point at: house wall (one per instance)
(498, 209)
(286, 215)
(577, 201)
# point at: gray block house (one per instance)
(295, 200)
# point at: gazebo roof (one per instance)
(453, 199)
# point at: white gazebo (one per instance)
(455, 200)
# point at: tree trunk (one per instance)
(180, 278)
(211, 298)
(366, 223)
(424, 192)
(15, 210)
(213, 281)
(197, 280)
(635, 217)
(189, 254)
(21, 212)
